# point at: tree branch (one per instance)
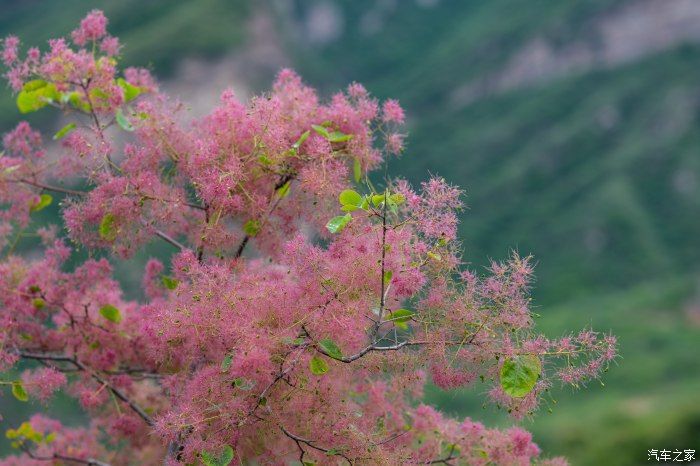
(396, 347)
(170, 239)
(244, 242)
(72, 459)
(299, 440)
(445, 460)
(48, 187)
(72, 360)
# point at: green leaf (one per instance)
(170, 282)
(300, 141)
(35, 95)
(251, 227)
(400, 317)
(357, 170)
(397, 198)
(318, 366)
(243, 384)
(130, 91)
(387, 277)
(77, 101)
(19, 392)
(378, 199)
(38, 303)
(283, 190)
(321, 130)
(63, 131)
(226, 363)
(34, 85)
(111, 313)
(336, 224)
(434, 256)
(44, 201)
(337, 136)
(224, 459)
(331, 348)
(519, 374)
(108, 228)
(208, 459)
(122, 121)
(350, 198)
(226, 456)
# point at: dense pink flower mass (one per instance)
(302, 310)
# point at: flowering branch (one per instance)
(310, 443)
(71, 459)
(241, 345)
(72, 360)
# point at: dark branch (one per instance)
(72, 459)
(310, 443)
(72, 360)
(48, 187)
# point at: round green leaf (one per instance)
(226, 456)
(19, 392)
(350, 198)
(170, 282)
(400, 317)
(336, 224)
(378, 199)
(35, 95)
(252, 227)
(330, 348)
(398, 198)
(111, 313)
(226, 363)
(130, 91)
(108, 227)
(519, 374)
(44, 201)
(318, 366)
(123, 121)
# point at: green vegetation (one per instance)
(584, 172)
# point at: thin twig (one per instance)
(57, 456)
(48, 187)
(73, 360)
(170, 239)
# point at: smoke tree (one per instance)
(303, 308)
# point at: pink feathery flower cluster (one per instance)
(92, 27)
(300, 311)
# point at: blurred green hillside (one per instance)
(573, 126)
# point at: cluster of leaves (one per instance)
(25, 435)
(278, 330)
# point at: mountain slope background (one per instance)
(573, 126)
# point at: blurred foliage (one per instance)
(596, 174)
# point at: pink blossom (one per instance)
(392, 112)
(92, 27)
(260, 307)
(9, 51)
(43, 382)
